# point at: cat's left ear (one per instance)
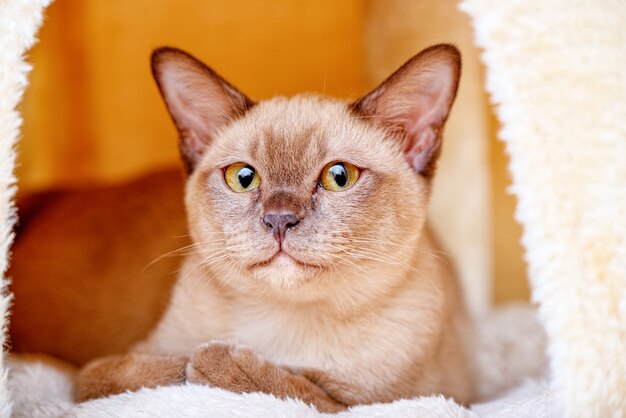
(414, 102)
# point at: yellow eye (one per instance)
(242, 177)
(338, 176)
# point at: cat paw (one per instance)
(240, 369)
(127, 372)
(227, 366)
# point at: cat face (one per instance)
(308, 194)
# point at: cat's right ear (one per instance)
(413, 104)
(198, 99)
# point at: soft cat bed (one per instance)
(43, 388)
(555, 70)
(49, 396)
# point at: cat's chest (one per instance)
(293, 338)
(317, 339)
(311, 337)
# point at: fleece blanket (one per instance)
(532, 399)
(19, 21)
(555, 70)
(511, 354)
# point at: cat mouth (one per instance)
(281, 255)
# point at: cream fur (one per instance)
(19, 21)
(384, 326)
(362, 351)
(556, 71)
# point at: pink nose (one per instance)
(280, 223)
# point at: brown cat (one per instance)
(312, 273)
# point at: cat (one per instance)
(312, 272)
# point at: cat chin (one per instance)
(284, 272)
(282, 260)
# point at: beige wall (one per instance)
(509, 268)
(93, 114)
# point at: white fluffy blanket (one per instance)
(555, 70)
(510, 345)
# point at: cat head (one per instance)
(306, 195)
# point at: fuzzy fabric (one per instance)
(42, 388)
(19, 21)
(555, 70)
(533, 399)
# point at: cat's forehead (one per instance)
(297, 125)
(290, 140)
(298, 134)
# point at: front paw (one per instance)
(239, 369)
(127, 372)
(227, 366)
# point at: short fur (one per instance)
(355, 305)
(131, 372)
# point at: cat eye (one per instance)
(242, 177)
(338, 176)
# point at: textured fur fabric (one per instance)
(43, 389)
(533, 399)
(556, 72)
(19, 21)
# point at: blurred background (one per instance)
(94, 116)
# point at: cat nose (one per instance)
(280, 223)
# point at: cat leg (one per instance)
(239, 369)
(127, 372)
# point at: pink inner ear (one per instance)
(198, 104)
(422, 124)
(196, 122)
(420, 155)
